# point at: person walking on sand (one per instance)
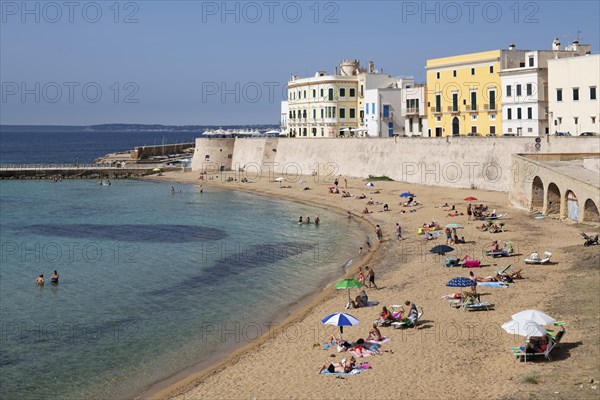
(360, 251)
(361, 275)
(368, 244)
(378, 232)
(469, 211)
(336, 183)
(448, 236)
(398, 231)
(345, 183)
(371, 275)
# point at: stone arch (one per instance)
(572, 208)
(537, 194)
(553, 199)
(590, 212)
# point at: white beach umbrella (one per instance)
(533, 315)
(280, 179)
(524, 328)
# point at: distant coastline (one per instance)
(130, 128)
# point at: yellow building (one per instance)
(464, 93)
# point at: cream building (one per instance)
(573, 94)
(414, 99)
(333, 105)
(525, 89)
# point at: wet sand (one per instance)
(454, 353)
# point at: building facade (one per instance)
(525, 90)
(573, 94)
(414, 99)
(334, 105)
(384, 111)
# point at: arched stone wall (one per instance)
(572, 209)
(553, 199)
(590, 212)
(537, 194)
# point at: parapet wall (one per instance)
(483, 163)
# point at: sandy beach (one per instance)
(454, 353)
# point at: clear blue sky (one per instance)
(174, 58)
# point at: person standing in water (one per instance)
(317, 220)
(172, 190)
(307, 219)
(54, 277)
(300, 220)
(40, 280)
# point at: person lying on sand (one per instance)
(342, 366)
(362, 196)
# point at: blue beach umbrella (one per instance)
(461, 282)
(407, 194)
(340, 319)
(370, 184)
(441, 249)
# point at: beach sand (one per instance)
(454, 353)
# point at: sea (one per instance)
(153, 281)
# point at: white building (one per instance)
(384, 111)
(573, 94)
(334, 105)
(525, 89)
(414, 99)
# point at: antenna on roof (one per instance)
(578, 34)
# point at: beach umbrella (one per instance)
(156, 169)
(441, 249)
(348, 284)
(470, 199)
(407, 194)
(280, 179)
(341, 320)
(524, 328)
(454, 226)
(371, 184)
(535, 316)
(461, 282)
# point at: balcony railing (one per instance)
(470, 108)
(412, 111)
(490, 107)
(435, 110)
(453, 109)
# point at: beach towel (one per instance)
(385, 339)
(355, 371)
(493, 284)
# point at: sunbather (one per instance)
(494, 247)
(386, 315)
(513, 275)
(342, 366)
(537, 344)
(375, 334)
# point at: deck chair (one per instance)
(534, 258)
(406, 323)
(503, 271)
(557, 336)
(521, 354)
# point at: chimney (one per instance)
(371, 67)
(512, 46)
(575, 45)
(556, 44)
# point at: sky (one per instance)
(221, 63)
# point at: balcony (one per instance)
(412, 111)
(388, 117)
(469, 108)
(436, 110)
(453, 110)
(490, 107)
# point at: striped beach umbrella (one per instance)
(341, 320)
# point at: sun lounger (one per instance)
(503, 271)
(407, 323)
(479, 306)
(521, 354)
(534, 258)
(489, 218)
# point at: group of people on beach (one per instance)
(307, 220)
(53, 278)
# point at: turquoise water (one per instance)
(150, 283)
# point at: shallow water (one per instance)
(150, 283)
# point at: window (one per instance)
(472, 71)
(322, 132)
(373, 108)
(518, 90)
(410, 125)
(305, 94)
(575, 120)
(352, 92)
(367, 108)
(352, 113)
(560, 120)
(575, 94)
(342, 92)
(322, 113)
(333, 116)
(531, 61)
(593, 93)
(529, 89)
(342, 113)
(530, 130)
(386, 111)
(437, 75)
(558, 94)
(473, 100)
(421, 125)
(493, 130)
(455, 102)
(491, 69)
(492, 97)
(529, 113)
(519, 116)
(390, 129)
(314, 131)
(508, 91)
(321, 92)
(314, 114)
(473, 129)
(438, 103)
(593, 120)
(362, 93)
(454, 73)
(509, 113)
(314, 93)
(330, 94)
